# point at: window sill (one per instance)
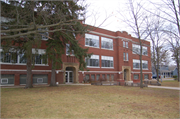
(92, 67)
(107, 49)
(92, 46)
(23, 64)
(107, 67)
(69, 55)
(139, 69)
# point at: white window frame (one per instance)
(110, 58)
(138, 61)
(39, 79)
(124, 56)
(94, 37)
(126, 44)
(138, 49)
(44, 33)
(4, 82)
(67, 48)
(39, 51)
(103, 39)
(93, 57)
(127, 57)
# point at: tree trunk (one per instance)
(53, 75)
(141, 76)
(29, 68)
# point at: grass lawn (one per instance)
(170, 83)
(89, 102)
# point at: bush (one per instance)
(175, 77)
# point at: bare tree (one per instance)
(170, 12)
(136, 22)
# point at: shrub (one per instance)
(175, 77)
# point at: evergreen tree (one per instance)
(31, 20)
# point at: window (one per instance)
(38, 57)
(136, 76)
(136, 49)
(22, 79)
(22, 58)
(112, 77)
(93, 61)
(7, 79)
(97, 77)
(44, 35)
(67, 50)
(87, 77)
(146, 76)
(144, 50)
(107, 43)
(108, 77)
(93, 77)
(144, 64)
(125, 44)
(4, 81)
(107, 61)
(136, 64)
(125, 56)
(40, 78)
(103, 76)
(9, 57)
(91, 40)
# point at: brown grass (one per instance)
(171, 83)
(89, 102)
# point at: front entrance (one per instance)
(69, 76)
(126, 73)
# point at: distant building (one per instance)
(166, 71)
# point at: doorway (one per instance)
(69, 76)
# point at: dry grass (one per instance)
(171, 83)
(89, 102)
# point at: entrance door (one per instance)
(69, 76)
(125, 75)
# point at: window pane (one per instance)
(136, 76)
(127, 56)
(106, 43)
(92, 40)
(87, 77)
(93, 77)
(124, 56)
(22, 58)
(93, 61)
(108, 77)
(146, 76)
(97, 77)
(126, 44)
(112, 77)
(103, 76)
(106, 61)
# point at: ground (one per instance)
(170, 83)
(89, 102)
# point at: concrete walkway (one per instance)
(164, 87)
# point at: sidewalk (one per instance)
(164, 87)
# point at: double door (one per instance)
(69, 76)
